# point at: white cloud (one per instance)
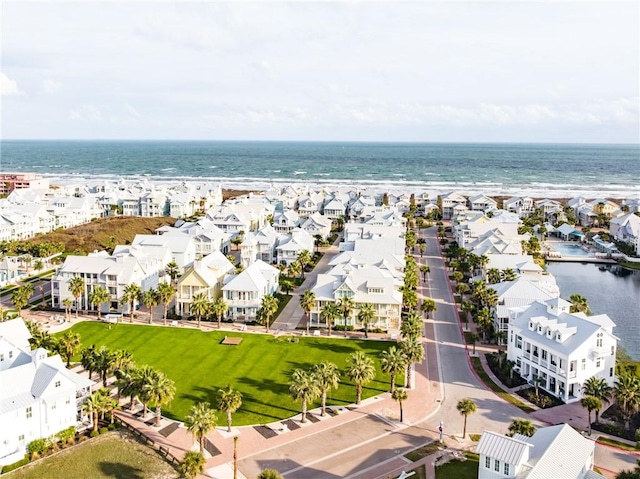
(8, 87)
(86, 112)
(51, 86)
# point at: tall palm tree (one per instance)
(229, 401)
(424, 269)
(392, 361)
(200, 306)
(327, 377)
(132, 294)
(104, 361)
(295, 269)
(598, 388)
(484, 321)
(218, 308)
(304, 258)
(467, 307)
(400, 395)
(345, 307)
(508, 274)
(304, 387)
(411, 325)
(200, 420)
(76, 288)
(626, 391)
(579, 304)
(361, 371)
(366, 316)
(307, 301)
(173, 271)
(97, 297)
(414, 353)
(68, 345)
(160, 390)
(20, 297)
(268, 307)
(88, 360)
(165, 295)
(329, 313)
(150, 300)
(521, 426)
(192, 464)
(144, 377)
(591, 403)
(494, 275)
(93, 405)
(67, 303)
(466, 407)
(126, 383)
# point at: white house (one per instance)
(285, 221)
(39, 397)
(522, 206)
(243, 293)
(259, 245)
(316, 224)
(563, 349)
(481, 202)
(290, 246)
(625, 228)
(557, 452)
(449, 203)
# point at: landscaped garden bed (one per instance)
(541, 398)
(503, 370)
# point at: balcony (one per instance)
(544, 364)
(527, 355)
(572, 374)
(599, 353)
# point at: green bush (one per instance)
(10, 467)
(94, 434)
(67, 436)
(103, 430)
(112, 427)
(37, 447)
(340, 327)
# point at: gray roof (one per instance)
(509, 450)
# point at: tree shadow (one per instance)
(120, 471)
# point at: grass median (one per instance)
(477, 365)
(259, 367)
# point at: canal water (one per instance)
(609, 289)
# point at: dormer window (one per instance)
(559, 337)
(531, 325)
(549, 333)
(57, 384)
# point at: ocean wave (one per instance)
(299, 172)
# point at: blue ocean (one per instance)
(552, 170)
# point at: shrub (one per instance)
(10, 467)
(543, 400)
(112, 427)
(613, 429)
(103, 430)
(37, 447)
(67, 436)
(94, 434)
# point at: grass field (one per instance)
(459, 469)
(105, 457)
(259, 367)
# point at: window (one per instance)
(21, 438)
(57, 384)
(598, 363)
(544, 354)
(53, 406)
(487, 462)
(29, 412)
(610, 372)
(496, 466)
(599, 343)
(559, 337)
(10, 354)
(1, 357)
(506, 469)
(584, 364)
(613, 350)
(519, 342)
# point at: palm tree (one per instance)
(366, 316)
(76, 288)
(627, 394)
(192, 464)
(328, 377)
(269, 474)
(598, 388)
(409, 298)
(345, 306)
(304, 387)
(591, 403)
(219, 308)
(150, 300)
(508, 274)
(424, 269)
(104, 361)
(414, 352)
(579, 304)
(329, 313)
(67, 303)
(484, 321)
(466, 407)
(428, 306)
(94, 405)
(97, 297)
(268, 307)
(392, 361)
(160, 390)
(307, 301)
(295, 268)
(411, 325)
(173, 271)
(20, 297)
(229, 401)
(88, 360)
(304, 258)
(521, 426)
(360, 370)
(67, 345)
(144, 377)
(165, 295)
(200, 420)
(126, 382)
(132, 293)
(200, 305)
(400, 395)
(494, 276)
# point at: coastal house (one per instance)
(260, 245)
(568, 233)
(495, 242)
(316, 224)
(520, 205)
(562, 349)
(285, 221)
(481, 202)
(308, 205)
(181, 246)
(205, 275)
(625, 228)
(468, 227)
(10, 182)
(334, 209)
(449, 202)
(39, 397)
(356, 207)
(543, 455)
(244, 292)
(291, 245)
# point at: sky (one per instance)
(449, 71)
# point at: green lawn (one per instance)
(103, 457)
(259, 367)
(477, 365)
(459, 469)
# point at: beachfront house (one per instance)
(562, 349)
(39, 397)
(449, 203)
(520, 205)
(244, 292)
(334, 208)
(543, 455)
(482, 203)
(626, 229)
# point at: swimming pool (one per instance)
(570, 250)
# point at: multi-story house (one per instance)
(522, 206)
(482, 203)
(552, 452)
(39, 397)
(13, 181)
(244, 292)
(316, 224)
(625, 228)
(285, 221)
(290, 246)
(452, 204)
(334, 209)
(559, 349)
(259, 245)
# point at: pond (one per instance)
(611, 290)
